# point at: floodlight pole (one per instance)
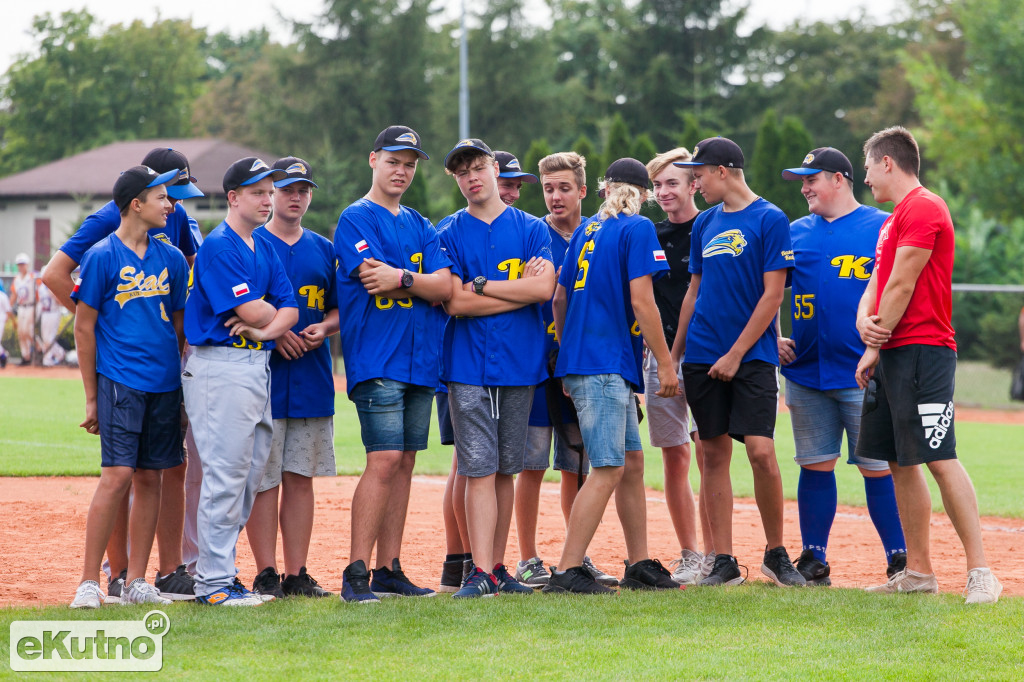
(463, 78)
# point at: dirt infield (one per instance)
(49, 513)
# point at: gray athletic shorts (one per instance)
(668, 419)
(538, 450)
(300, 446)
(490, 425)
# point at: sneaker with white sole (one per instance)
(532, 573)
(688, 567)
(982, 587)
(141, 592)
(907, 581)
(177, 585)
(597, 574)
(778, 566)
(726, 571)
(88, 596)
(707, 565)
(233, 595)
(114, 588)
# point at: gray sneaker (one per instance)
(88, 596)
(707, 565)
(598, 575)
(532, 573)
(907, 581)
(688, 567)
(141, 592)
(114, 588)
(982, 587)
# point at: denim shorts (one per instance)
(819, 419)
(393, 415)
(138, 429)
(607, 412)
(538, 450)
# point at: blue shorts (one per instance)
(538, 449)
(607, 413)
(444, 418)
(819, 419)
(138, 429)
(393, 415)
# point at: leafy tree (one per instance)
(617, 144)
(585, 148)
(644, 150)
(533, 202)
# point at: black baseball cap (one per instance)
(248, 171)
(297, 169)
(463, 145)
(627, 170)
(828, 159)
(137, 178)
(397, 138)
(508, 167)
(163, 159)
(715, 151)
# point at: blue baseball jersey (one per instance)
(304, 387)
(539, 413)
(226, 274)
(833, 265)
(506, 349)
(396, 339)
(177, 232)
(601, 334)
(731, 252)
(135, 299)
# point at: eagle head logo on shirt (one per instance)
(592, 228)
(730, 242)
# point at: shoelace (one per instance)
(596, 572)
(692, 563)
(979, 582)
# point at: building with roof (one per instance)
(40, 208)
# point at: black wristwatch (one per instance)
(478, 284)
(406, 279)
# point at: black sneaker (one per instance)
(897, 563)
(268, 582)
(452, 572)
(177, 585)
(355, 584)
(114, 588)
(302, 585)
(780, 569)
(576, 580)
(648, 574)
(814, 571)
(392, 582)
(725, 572)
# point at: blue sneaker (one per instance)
(478, 584)
(233, 595)
(394, 583)
(508, 584)
(355, 584)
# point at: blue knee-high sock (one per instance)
(816, 499)
(881, 497)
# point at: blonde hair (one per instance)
(565, 161)
(666, 159)
(622, 197)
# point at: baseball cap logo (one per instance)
(406, 137)
(696, 150)
(150, 171)
(514, 163)
(183, 174)
(258, 164)
(809, 159)
(464, 143)
(296, 168)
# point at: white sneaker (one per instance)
(707, 565)
(88, 596)
(907, 581)
(688, 567)
(141, 592)
(982, 587)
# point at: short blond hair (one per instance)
(565, 161)
(665, 159)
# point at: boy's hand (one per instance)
(313, 336)
(91, 423)
(290, 345)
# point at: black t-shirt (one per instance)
(670, 289)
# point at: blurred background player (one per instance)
(669, 422)
(834, 248)
(301, 393)
(23, 288)
(5, 311)
(49, 312)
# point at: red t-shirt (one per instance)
(922, 219)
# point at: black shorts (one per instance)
(745, 406)
(907, 416)
(138, 429)
(444, 418)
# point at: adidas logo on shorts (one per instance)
(936, 418)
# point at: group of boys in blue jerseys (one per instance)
(526, 328)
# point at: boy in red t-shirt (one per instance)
(905, 319)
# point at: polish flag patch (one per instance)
(240, 289)
(659, 256)
(362, 246)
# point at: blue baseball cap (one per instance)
(163, 159)
(297, 169)
(137, 178)
(828, 159)
(248, 171)
(508, 167)
(397, 138)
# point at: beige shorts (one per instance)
(300, 446)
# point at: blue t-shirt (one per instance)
(601, 333)
(395, 339)
(506, 349)
(177, 232)
(539, 413)
(304, 387)
(136, 299)
(731, 252)
(226, 274)
(833, 265)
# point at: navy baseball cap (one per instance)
(508, 167)
(248, 171)
(137, 178)
(826, 159)
(463, 145)
(397, 138)
(163, 159)
(715, 151)
(627, 170)
(297, 169)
